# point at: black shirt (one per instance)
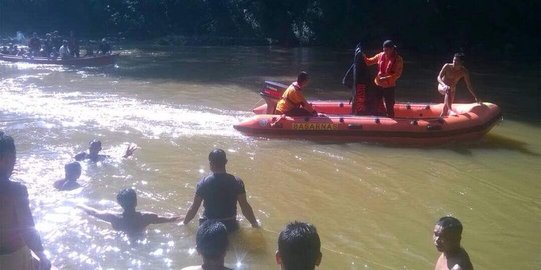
(219, 192)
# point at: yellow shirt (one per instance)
(292, 98)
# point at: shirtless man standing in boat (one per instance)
(447, 236)
(448, 78)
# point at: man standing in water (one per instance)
(17, 232)
(94, 152)
(220, 192)
(390, 66)
(129, 221)
(448, 78)
(447, 236)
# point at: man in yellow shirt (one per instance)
(390, 66)
(293, 102)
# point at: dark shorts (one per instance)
(230, 224)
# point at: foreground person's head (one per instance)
(7, 156)
(299, 247)
(447, 234)
(211, 241)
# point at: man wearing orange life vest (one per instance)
(390, 66)
(292, 99)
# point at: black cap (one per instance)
(389, 44)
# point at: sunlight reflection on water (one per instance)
(116, 113)
(176, 107)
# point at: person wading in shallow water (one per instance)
(129, 221)
(17, 232)
(447, 236)
(94, 149)
(73, 172)
(220, 192)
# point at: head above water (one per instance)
(211, 240)
(447, 234)
(94, 147)
(217, 158)
(127, 198)
(72, 170)
(298, 247)
(302, 78)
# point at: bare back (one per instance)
(459, 261)
(133, 224)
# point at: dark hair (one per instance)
(217, 157)
(72, 166)
(7, 144)
(460, 56)
(94, 142)
(302, 77)
(211, 239)
(450, 225)
(299, 246)
(127, 198)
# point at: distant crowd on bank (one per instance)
(54, 45)
(299, 244)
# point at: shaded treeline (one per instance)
(498, 26)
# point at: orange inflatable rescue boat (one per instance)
(413, 123)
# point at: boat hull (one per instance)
(413, 124)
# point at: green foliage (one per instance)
(424, 24)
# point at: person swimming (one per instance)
(73, 172)
(94, 155)
(129, 221)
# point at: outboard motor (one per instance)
(272, 93)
